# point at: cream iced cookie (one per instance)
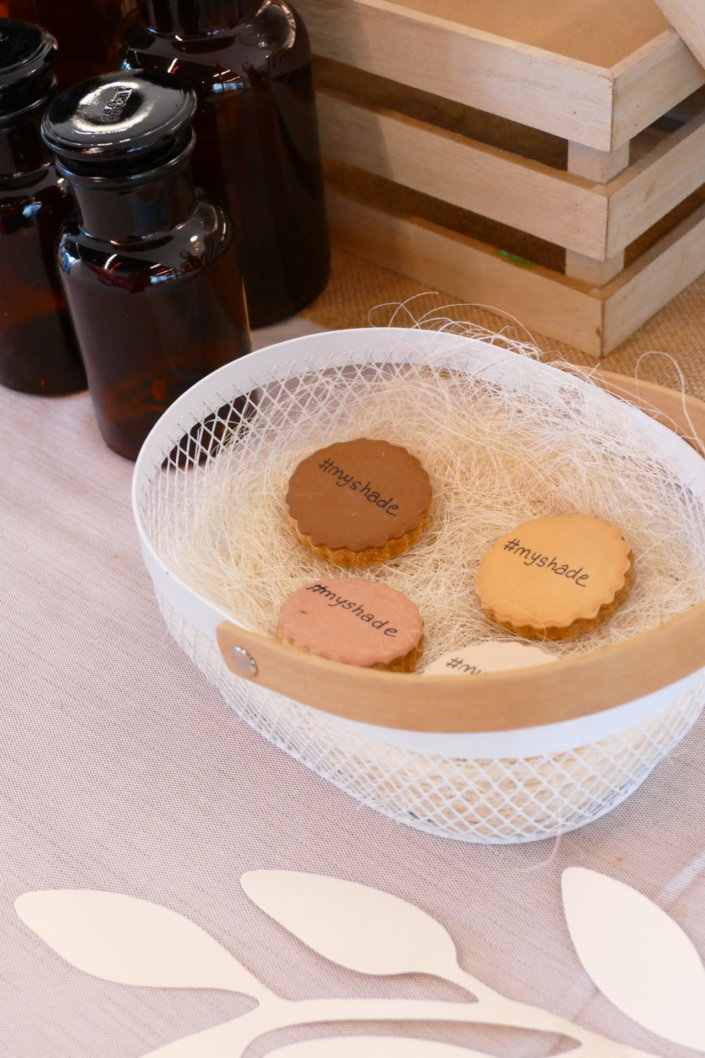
(357, 622)
(555, 578)
(357, 503)
(492, 655)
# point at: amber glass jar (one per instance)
(257, 150)
(38, 350)
(150, 271)
(85, 30)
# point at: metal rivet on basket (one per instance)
(243, 662)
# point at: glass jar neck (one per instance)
(194, 18)
(123, 213)
(22, 150)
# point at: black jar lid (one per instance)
(27, 54)
(119, 124)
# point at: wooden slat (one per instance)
(521, 193)
(652, 281)
(644, 193)
(651, 83)
(442, 259)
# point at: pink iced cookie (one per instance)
(358, 622)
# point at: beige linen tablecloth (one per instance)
(123, 770)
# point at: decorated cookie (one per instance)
(355, 621)
(555, 578)
(492, 655)
(359, 502)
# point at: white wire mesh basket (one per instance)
(501, 758)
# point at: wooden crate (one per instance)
(541, 157)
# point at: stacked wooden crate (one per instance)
(541, 157)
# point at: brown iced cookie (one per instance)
(359, 502)
(357, 622)
(555, 578)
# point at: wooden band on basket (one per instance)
(496, 701)
(499, 701)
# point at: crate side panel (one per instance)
(651, 188)
(654, 279)
(644, 90)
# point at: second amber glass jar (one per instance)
(257, 151)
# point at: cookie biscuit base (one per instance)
(577, 627)
(370, 556)
(405, 663)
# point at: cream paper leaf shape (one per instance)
(355, 926)
(131, 941)
(636, 955)
(373, 1047)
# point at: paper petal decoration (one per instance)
(373, 1047)
(131, 941)
(354, 925)
(637, 956)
